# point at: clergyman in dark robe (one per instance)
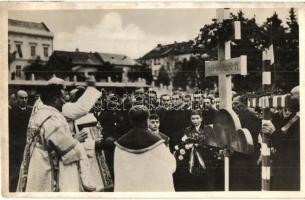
(19, 115)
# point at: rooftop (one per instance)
(78, 58)
(176, 48)
(117, 59)
(31, 28)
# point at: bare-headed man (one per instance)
(142, 162)
(19, 115)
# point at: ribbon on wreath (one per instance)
(194, 152)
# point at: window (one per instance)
(9, 48)
(19, 50)
(18, 70)
(46, 51)
(33, 50)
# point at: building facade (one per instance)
(76, 66)
(27, 42)
(71, 65)
(167, 56)
(122, 64)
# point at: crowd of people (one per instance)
(91, 140)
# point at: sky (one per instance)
(132, 32)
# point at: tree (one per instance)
(35, 67)
(250, 44)
(255, 39)
(292, 51)
(142, 71)
(285, 45)
(191, 73)
(293, 24)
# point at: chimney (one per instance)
(76, 50)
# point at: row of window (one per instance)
(32, 49)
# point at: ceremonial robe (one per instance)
(54, 133)
(81, 107)
(143, 163)
(101, 177)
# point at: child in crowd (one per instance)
(199, 164)
(154, 124)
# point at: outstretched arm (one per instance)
(83, 105)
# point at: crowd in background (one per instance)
(176, 116)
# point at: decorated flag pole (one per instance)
(268, 60)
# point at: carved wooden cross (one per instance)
(225, 66)
(228, 132)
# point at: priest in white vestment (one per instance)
(49, 132)
(142, 162)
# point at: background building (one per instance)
(167, 56)
(76, 66)
(123, 66)
(27, 42)
(70, 65)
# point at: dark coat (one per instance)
(286, 160)
(244, 170)
(209, 179)
(208, 116)
(172, 124)
(18, 124)
(114, 123)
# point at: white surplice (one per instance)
(101, 177)
(82, 106)
(150, 171)
(41, 180)
(56, 131)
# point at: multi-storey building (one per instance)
(27, 42)
(167, 56)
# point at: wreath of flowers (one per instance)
(189, 145)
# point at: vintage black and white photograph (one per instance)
(196, 99)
